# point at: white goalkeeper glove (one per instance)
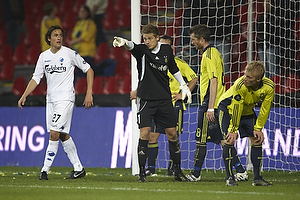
(185, 92)
(119, 42)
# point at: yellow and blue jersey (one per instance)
(211, 66)
(185, 71)
(240, 101)
(85, 29)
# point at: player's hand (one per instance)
(231, 138)
(21, 102)
(88, 101)
(185, 91)
(259, 136)
(133, 95)
(176, 96)
(119, 42)
(210, 116)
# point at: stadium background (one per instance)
(17, 65)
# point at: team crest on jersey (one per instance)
(166, 59)
(237, 97)
(262, 95)
(61, 59)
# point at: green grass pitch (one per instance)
(104, 183)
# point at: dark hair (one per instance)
(49, 32)
(167, 37)
(199, 31)
(48, 8)
(87, 9)
(150, 28)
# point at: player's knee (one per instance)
(172, 135)
(254, 141)
(54, 135)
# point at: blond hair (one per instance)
(257, 67)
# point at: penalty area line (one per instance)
(138, 189)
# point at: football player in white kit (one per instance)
(58, 64)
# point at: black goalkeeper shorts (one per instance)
(160, 111)
(178, 108)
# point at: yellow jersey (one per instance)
(211, 66)
(240, 100)
(187, 74)
(46, 23)
(85, 29)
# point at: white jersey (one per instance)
(59, 71)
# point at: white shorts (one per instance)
(59, 116)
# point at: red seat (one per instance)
(278, 81)
(291, 84)
(125, 86)
(152, 6)
(78, 3)
(8, 71)
(30, 21)
(33, 54)
(66, 5)
(31, 38)
(102, 52)
(6, 54)
(80, 86)
(125, 18)
(122, 70)
(38, 8)
(227, 82)
(40, 88)
(118, 54)
(19, 56)
(3, 37)
(98, 85)
(120, 5)
(69, 21)
(111, 85)
(110, 22)
(19, 85)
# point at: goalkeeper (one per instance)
(236, 113)
(212, 86)
(154, 100)
(178, 104)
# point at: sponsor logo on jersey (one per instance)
(55, 69)
(47, 61)
(160, 68)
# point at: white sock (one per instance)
(71, 151)
(50, 155)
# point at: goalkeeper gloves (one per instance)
(185, 92)
(119, 42)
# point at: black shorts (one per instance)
(161, 111)
(246, 126)
(208, 131)
(178, 108)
